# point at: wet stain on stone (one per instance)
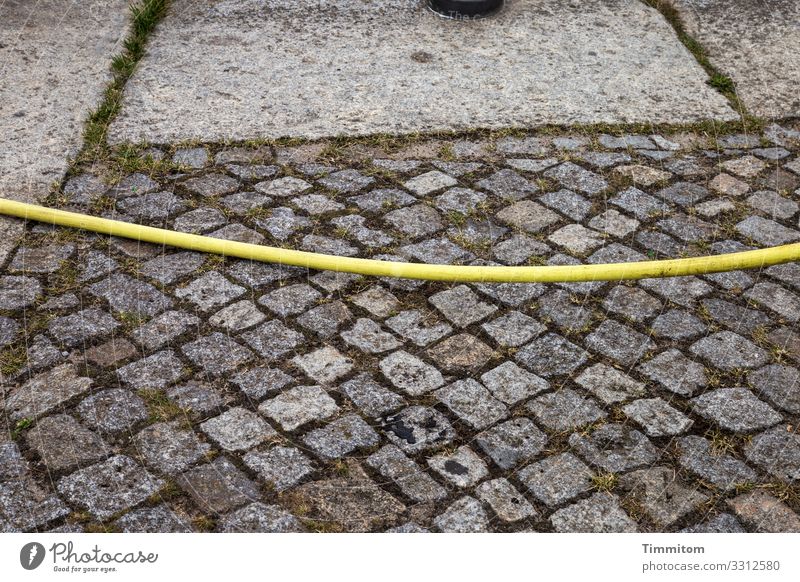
(455, 468)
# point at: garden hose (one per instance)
(467, 273)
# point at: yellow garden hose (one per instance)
(498, 274)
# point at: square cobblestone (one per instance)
(511, 384)
(461, 200)
(168, 269)
(508, 184)
(463, 516)
(513, 442)
(418, 428)
(280, 467)
(460, 353)
(272, 340)
(462, 468)
(217, 354)
(663, 497)
(677, 324)
(551, 355)
(218, 487)
(200, 220)
(210, 291)
(324, 365)
(518, 248)
(461, 306)
(382, 199)
(767, 232)
(367, 336)
(565, 410)
(298, 406)
(777, 451)
(781, 301)
(290, 300)
(472, 403)
(156, 371)
(615, 448)
(237, 316)
(600, 513)
(377, 300)
(779, 384)
(283, 223)
(528, 216)
(158, 519)
(765, 513)
(429, 182)
(410, 374)
(82, 327)
(728, 351)
(47, 259)
(169, 448)
(421, 328)
(513, 329)
(632, 303)
(657, 418)
(392, 464)
(238, 429)
(211, 185)
(619, 342)
(567, 202)
(258, 382)
(675, 372)
(164, 328)
(342, 437)
(507, 503)
(557, 479)
(27, 507)
(726, 472)
(198, 398)
(735, 409)
(574, 177)
(325, 320)
(46, 392)
(683, 193)
(106, 488)
(112, 411)
(415, 221)
(127, 295)
(63, 443)
(373, 399)
(576, 239)
(610, 385)
(440, 251)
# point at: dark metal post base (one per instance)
(465, 8)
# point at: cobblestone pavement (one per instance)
(153, 389)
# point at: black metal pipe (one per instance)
(465, 8)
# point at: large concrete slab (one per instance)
(757, 43)
(239, 69)
(54, 65)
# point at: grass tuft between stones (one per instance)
(145, 15)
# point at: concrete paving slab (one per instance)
(54, 65)
(239, 69)
(757, 43)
